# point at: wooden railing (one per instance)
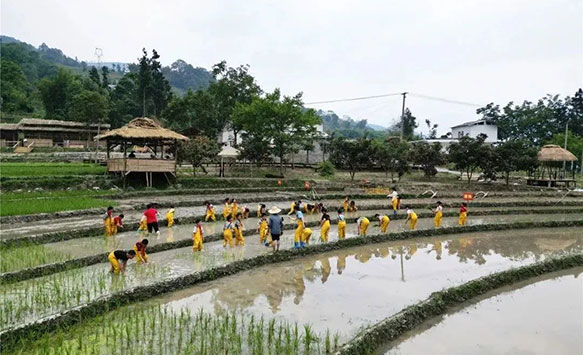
(141, 165)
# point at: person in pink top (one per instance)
(152, 219)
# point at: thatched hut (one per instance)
(145, 132)
(551, 171)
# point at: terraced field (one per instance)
(56, 286)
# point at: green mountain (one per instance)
(347, 127)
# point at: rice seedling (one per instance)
(147, 329)
(29, 255)
(32, 299)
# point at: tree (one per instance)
(515, 155)
(352, 155)
(410, 123)
(94, 76)
(153, 88)
(536, 122)
(184, 76)
(232, 86)
(144, 81)
(197, 151)
(467, 154)
(392, 157)
(125, 101)
(57, 92)
(104, 77)
(428, 156)
(15, 88)
(574, 143)
(432, 129)
(281, 121)
(90, 107)
(194, 112)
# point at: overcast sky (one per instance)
(471, 51)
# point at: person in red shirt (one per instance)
(117, 223)
(463, 214)
(152, 219)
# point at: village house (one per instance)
(35, 132)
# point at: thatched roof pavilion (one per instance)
(552, 152)
(552, 170)
(143, 131)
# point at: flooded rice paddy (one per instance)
(82, 247)
(13, 230)
(540, 316)
(377, 280)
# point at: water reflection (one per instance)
(422, 257)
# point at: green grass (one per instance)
(22, 257)
(49, 169)
(159, 330)
(13, 207)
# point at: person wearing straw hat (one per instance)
(275, 226)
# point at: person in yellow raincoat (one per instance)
(262, 228)
(463, 214)
(261, 210)
(306, 234)
(411, 218)
(324, 227)
(352, 207)
(227, 208)
(394, 200)
(234, 208)
(170, 216)
(298, 243)
(117, 223)
(383, 222)
(143, 227)
(341, 224)
(197, 236)
(292, 207)
(245, 212)
(210, 212)
(228, 231)
(119, 259)
(108, 222)
(438, 214)
(140, 249)
(362, 225)
(239, 239)
(346, 204)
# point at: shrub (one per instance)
(326, 168)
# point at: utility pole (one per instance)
(403, 116)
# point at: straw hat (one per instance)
(274, 210)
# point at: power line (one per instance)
(421, 96)
(352, 99)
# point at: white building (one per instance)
(471, 129)
(475, 128)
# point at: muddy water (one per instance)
(94, 280)
(90, 246)
(64, 224)
(543, 316)
(348, 289)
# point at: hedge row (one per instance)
(441, 302)
(10, 338)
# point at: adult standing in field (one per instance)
(394, 195)
(108, 221)
(275, 226)
(300, 228)
(152, 219)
